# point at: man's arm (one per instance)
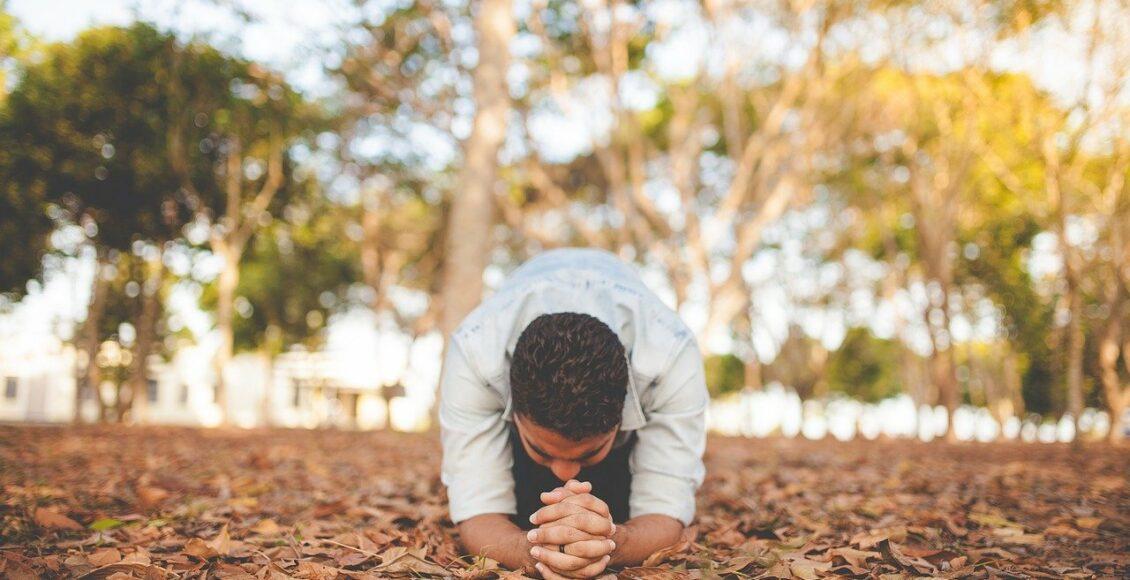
(666, 462)
(496, 537)
(476, 450)
(642, 536)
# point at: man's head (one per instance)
(568, 379)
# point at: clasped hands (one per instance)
(574, 534)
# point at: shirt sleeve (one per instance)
(666, 463)
(477, 460)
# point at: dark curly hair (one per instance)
(569, 374)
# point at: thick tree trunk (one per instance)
(88, 375)
(225, 308)
(146, 326)
(468, 238)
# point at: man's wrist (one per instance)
(621, 536)
(523, 547)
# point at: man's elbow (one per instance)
(672, 529)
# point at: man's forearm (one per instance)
(641, 536)
(498, 538)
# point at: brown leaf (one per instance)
(129, 570)
(779, 570)
(874, 536)
(139, 556)
(993, 521)
(222, 543)
(854, 557)
(150, 496)
(55, 520)
(15, 567)
(650, 573)
(1088, 523)
(328, 509)
(104, 557)
(200, 549)
(988, 554)
(1024, 539)
(892, 554)
(315, 571)
(266, 527)
(348, 558)
(400, 559)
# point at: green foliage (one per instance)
(90, 121)
(24, 229)
(294, 277)
(865, 367)
(14, 44)
(230, 120)
(724, 374)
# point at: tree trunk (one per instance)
(266, 402)
(468, 238)
(1109, 347)
(1074, 348)
(225, 308)
(943, 370)
(1011, 402)
(146, 326)
(88, 375)
(753, 373)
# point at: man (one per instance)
(572, 416)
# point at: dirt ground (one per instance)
(100, 502)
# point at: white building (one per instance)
(301, 389)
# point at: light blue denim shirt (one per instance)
(665, 403)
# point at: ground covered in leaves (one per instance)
(163, 502)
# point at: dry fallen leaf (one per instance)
(104, 557)
(266, 527)
(55, 520)
(401, 559)
(151, 496)
(200, 549)
(221, 544)
(854, 557)
(1088, 523)
(650, 573)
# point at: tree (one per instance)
(1081, 155)
(232, 128)
(468, 242)
(25, 228)
(90, 118)
(294, 277)
(865, 367)
(688, 183)
(725, 374)
(936, 143)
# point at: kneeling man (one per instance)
(572, 415)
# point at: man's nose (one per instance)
(565, 470)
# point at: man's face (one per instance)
(563, 456)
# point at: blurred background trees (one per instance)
(851, 199)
